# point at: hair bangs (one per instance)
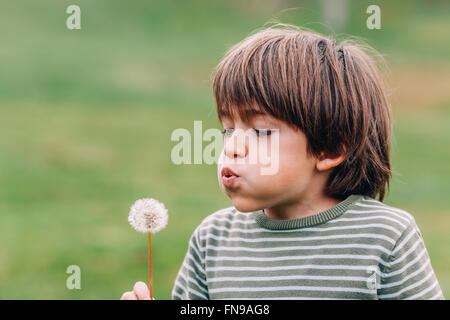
(242, 88)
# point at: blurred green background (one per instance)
(86, 117)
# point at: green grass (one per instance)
(86, 118)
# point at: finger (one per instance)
(129, 295)
(141, 291)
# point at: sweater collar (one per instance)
(265, 222)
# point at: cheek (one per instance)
(294, 165)
(219, 176)
(287, 164)
(219, 168)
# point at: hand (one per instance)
(140, 292)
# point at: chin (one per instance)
(245, 205)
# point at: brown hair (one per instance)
(333, 92)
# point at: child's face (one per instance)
(252, 190)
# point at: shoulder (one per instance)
(223, 221)
(221, 214)
(374, 213)
(227, 217)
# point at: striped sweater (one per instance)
(359, 249)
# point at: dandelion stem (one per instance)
(150, 264)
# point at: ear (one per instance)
(327, 160)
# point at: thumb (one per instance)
(141, 291)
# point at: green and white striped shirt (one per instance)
(359, 249)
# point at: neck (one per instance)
(303, 207)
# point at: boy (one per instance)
(312, 229)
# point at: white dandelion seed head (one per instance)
(148, 215)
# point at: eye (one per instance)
(227, 132)
(263, 132)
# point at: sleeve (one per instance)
(190, 283)
(409, 275)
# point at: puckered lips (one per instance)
(229, 177)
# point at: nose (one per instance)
(236, 146)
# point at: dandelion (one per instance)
(148, 216)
